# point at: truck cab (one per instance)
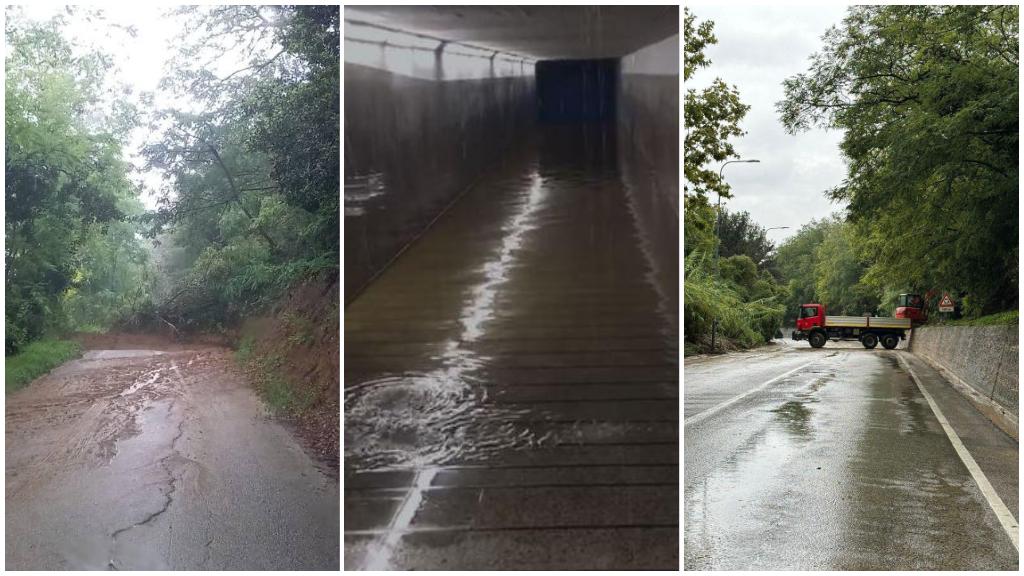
(811, 316)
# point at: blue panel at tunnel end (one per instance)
(575, 91)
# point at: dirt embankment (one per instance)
(292, 356)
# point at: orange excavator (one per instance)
(913, 306)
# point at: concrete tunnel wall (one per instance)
(648, 148)
(418, 132)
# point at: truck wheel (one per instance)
(869, 341)
(889, 341)
(817, 339)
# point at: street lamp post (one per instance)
(718, 235)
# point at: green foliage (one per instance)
(36, 359)
(711, 116)
(739, 234)
(72, 257)
(271, 383)
(797, 259)
(252, 203)
(822, 263)
(1008, 318)
(246, 349)
(927, 98)
(698, 225)
(746, 316)
(838, 274)
(744, 299)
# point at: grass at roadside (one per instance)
(37, 359)
(1008, 318)
(265, 371)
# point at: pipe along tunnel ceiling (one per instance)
(537, 32)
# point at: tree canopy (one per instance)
(248, 153)
(711, 115)
(740, 234)
(251, 200)
(72, 257)
(927, 98)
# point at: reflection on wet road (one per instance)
(838, 465)
(510, 383)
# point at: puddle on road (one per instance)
(145, 381)
(796, 417)
(418, 420)
(111, 354)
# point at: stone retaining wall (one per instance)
(983, 358)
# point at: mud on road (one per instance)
(160, 459)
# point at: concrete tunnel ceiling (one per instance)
(540, 32)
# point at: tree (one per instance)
(711, 116)
(251, 203)
(823, 263)
(67, 193)
(927, 97)
(739, 234)
(797, 261)
(742, 303)
(839, 272)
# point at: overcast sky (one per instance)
(758, 47)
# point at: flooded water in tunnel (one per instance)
(522, 326)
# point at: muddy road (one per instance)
(160, 459)
(806, 459)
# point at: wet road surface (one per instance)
(838, 463)
(511, 397)
(150, 459)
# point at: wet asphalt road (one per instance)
(143, 460)
(511, 397)
(841, 464)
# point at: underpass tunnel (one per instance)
(511, 272)
(437, 97)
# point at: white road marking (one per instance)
(1003, 513)
(714, 409)
(379, 557)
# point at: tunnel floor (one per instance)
(511, 381)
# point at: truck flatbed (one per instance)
(867, 322)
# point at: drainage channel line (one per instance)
(379, 557)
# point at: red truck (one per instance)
(813, 325)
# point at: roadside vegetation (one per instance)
(36, 359)
(929, 114)
(73, 257)
(251, 204)
(271, 382)
(1008, 318)
(735, 294)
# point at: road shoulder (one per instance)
(995, 452)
